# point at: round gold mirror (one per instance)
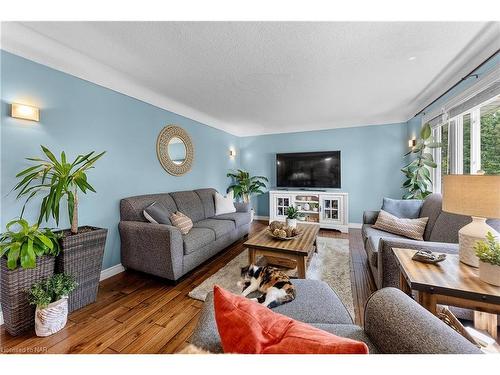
(175, 150)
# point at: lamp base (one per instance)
(469, 235)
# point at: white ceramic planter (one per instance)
(489, 273)
(51, 319)
(252, 215)
(292, 223)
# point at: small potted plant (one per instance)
(292, 214)
(27, 255)
(244, 186)
(488, 253)
(50, 296)
(82, 247)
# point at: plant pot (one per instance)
(52, 318)
(81, 257)
(18, 314)
(252, 214)
(489, 273)
(292, 223)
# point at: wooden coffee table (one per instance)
(450, 282)
(297, 250)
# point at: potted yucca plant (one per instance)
(27, 255)
(82, 246)
(488, 253)
(50, 296)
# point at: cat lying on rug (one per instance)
(275, 285)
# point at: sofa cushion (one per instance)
(368, 231)
(431, 208)
(207, 199)
(247, 327)
(239, 218)
(446, 227)
(189, 203)
(197, 238)
(403, 208)
(224, 204)
(219, 227)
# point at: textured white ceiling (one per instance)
(271, 77)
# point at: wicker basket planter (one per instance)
(81, 256)
(18, 314)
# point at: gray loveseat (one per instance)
(394, 323)
(161, 249)
(441, 235)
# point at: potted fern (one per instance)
(50, 296)
(82, 246)
(488, 253)
(27, 255)
(244, 186)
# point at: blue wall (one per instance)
(372, 157)
(78, 117)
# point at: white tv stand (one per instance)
(329, 209)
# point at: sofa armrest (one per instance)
(242, 207)
(156, 249)
(387, 267)
(370, 217)
(396, 324)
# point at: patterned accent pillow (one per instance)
(181, 222)
(411, 228)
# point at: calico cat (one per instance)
(275, 285)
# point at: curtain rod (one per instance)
(470, 74)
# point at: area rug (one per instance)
(331, 264)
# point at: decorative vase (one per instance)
(17, 312)
(315, 208)
(81, 256)
(292, 223)
(489, 273)
(52, 318)
(252, 214)
(468, 237)
(307, 207)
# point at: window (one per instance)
(470, 142)
(490, 137)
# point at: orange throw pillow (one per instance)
(246, 327)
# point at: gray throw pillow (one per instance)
(157, 213)
(403, 208)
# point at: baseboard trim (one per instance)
(257, 217)
(355, 225)
(111, 271)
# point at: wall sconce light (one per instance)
(232, 153)
(25, 112)
(412, 142)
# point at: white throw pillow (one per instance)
(224, 205)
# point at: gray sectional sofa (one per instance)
(441, 235)
(161, 249)
(394, 323)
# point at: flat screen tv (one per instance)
(308, 170)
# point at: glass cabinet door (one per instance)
(281, 205)
(330, 209)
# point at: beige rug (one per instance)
(331, 264)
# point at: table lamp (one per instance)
(477, 196)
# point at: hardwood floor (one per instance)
(137, 313)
